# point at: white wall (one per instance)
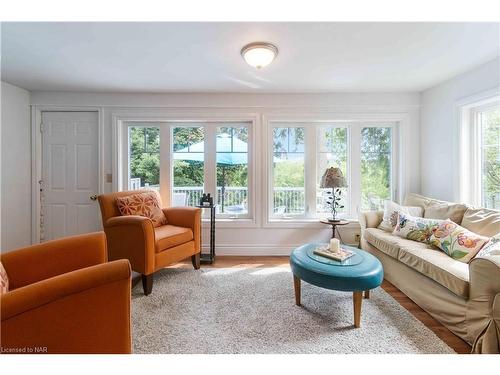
(258, 239)
(439, 127)
(15, 167)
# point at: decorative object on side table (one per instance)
(206, 200)
(210, 257)
(333, 179)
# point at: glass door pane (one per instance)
(188, 165)
(232, 170)
(288, 171)
(143, 157)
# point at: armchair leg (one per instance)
(195, 259)
(147, 283)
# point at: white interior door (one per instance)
(69, 185)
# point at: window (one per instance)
(486, 155)
(188, 165)
(288, 172)
(376, 167)
(232, 170)
(333, 147)
(301, 153)
(143, 157)
(185, 159)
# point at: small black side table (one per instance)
(210, 257)
(334, 225)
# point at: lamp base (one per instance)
(334, 220)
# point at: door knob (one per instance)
(93, 197)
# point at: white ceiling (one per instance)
(205, 57)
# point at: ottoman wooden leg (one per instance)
(357, 298)
(367, 294)
(296, 286)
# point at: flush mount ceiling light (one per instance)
(259, 54)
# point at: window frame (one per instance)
(270, 185)
(166, 122)
(354, 126)
(476, 167)
(467, 150)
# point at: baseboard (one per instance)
(255, 250)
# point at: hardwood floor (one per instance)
(441, 331)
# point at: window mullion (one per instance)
(355, 168)
(310, 170)
(210, 183)
(165, 164)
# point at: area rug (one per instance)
(252, 310)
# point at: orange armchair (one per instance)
(65, 298)
(148, 248)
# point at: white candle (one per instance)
(334, 245)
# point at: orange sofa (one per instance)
(65, 298)
(148, 248)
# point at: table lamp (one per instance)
(333, 179)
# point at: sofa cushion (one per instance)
(413, 199)
(168, 236)
(438, 266)
(384, 241)
(442, 211)
(482, 221)
(437, 209)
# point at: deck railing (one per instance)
(289, 200)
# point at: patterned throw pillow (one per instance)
(491, 248)
(391, 210)
(143, 204)
(415, 228)
(457, 242)
(4, 280)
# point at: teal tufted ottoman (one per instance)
(359, 273)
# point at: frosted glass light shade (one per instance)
(259, 54)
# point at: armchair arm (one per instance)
(84, 311)
(41, 261)
(128, 220)
(483, 308)
(132, 237)
(187, 217)
(370, 219)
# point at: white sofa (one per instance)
(463, 297)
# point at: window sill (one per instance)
(230, 223)
(305, 223)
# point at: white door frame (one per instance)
(36, 159)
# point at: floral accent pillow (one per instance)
(143, 204)
(457, 242)
(4, 280)
(391, 210)
(415, 228)
(491, 248)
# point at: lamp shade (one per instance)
(333, 178)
